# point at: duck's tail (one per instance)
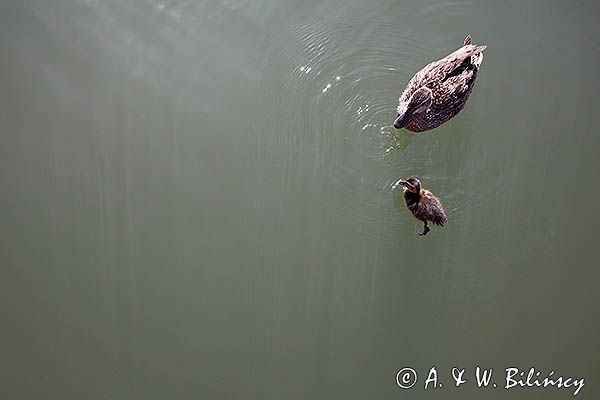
(476, 51)
(477, 59)
(469, 42)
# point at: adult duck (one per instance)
(440, 90)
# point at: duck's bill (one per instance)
(401, 121)
(399, 182)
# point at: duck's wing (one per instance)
(458, 84)
(455, 63)
(451, 65)
(434, 210)
(454, 75)
(437, 72)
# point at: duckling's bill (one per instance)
(398, 183)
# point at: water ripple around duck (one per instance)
(334, 93)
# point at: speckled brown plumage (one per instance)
(422, 203)
(448, 82)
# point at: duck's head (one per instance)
(418, 103)
(411, 185)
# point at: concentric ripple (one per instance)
(333, 94)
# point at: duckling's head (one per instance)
(411, 185)
(419, 102)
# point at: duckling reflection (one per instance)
(422, 203)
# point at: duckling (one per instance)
(440, 90)
(422, 203)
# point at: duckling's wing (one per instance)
(433, 208)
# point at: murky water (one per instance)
(196, 199)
